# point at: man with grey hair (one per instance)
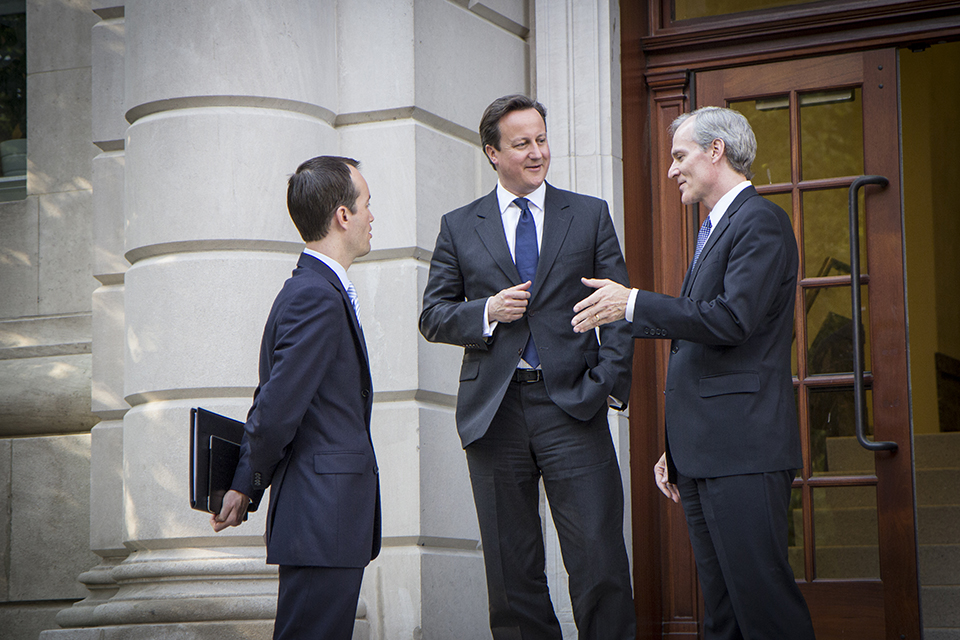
(733, 444)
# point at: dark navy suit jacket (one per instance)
(730, 406)
(308, 431)
(472, 262)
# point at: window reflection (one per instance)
(847, 538)
(13, 101)
(830, 330)
(834, 449)
(772, 130)
(831, 134)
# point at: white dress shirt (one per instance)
(510, 217)
(334, 265)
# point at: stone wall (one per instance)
(45, 333)
(138, 273)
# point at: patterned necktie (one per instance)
(352, 294)
(527, 255)
(701, 240)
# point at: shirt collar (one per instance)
(724, 202)
(536, 197)
(335, 266)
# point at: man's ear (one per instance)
(717, 147)
(341, 217)
(491, 154)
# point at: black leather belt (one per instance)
(528, 376)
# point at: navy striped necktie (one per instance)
(701, 240)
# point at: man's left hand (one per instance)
(231, 513)
(607, 304)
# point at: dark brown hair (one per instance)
(320, 186)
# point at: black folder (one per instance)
(214, 455)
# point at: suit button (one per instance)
(520, 351)
(674, 349)
(365, 393)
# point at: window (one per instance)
(13, 101)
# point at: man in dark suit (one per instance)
(733, 444)
(533, 395)
(308, 431)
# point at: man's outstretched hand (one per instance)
(607, 304)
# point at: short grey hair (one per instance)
(711, 123)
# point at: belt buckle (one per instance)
(528, 376)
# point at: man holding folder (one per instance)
(307, 434)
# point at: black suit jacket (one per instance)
(472, 262)
(308, 431)
(730, 406)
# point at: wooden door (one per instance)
(820, 123)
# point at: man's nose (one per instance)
(673, 172)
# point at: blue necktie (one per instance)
(527, 254)
(701, 240)
(352, 294)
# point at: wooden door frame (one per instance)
(656, 67)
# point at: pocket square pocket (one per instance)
(340, 462)
(726, 383)
(469, 370)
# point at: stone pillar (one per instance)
(577, 66)
(421, 73)
(220, 102)
(109, 266)
(45, 360)
(205, 108)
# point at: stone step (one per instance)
(939, 564)
(937, 450)
(935, 487)
(857, 526)
(838, 563)
(930, 451)
(941, 607)
(846, 456)
(938, 486)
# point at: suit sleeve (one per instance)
(304, 352)
(447, 315)
(615, 363)
(737, 299)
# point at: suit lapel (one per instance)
(313, 264)
(490, 229)
(556, 223)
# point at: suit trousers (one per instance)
(317, 603)
(738, 528)
(531, 438)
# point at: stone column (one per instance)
(577, 67)
(109, 266)
(221, 101)
(420, 74)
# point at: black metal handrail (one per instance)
(859, 405)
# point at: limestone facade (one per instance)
(136, 277)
